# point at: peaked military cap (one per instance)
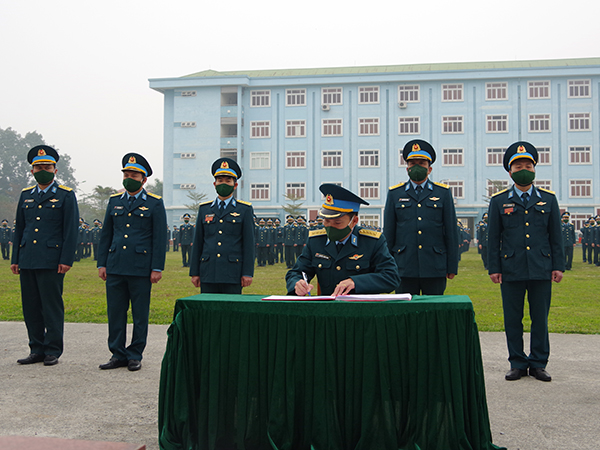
(566, 213)
(338, 201)
(226, 167)
(186, 216)
(519, 150)
(418, 149)
(42, 154)
(137, 163)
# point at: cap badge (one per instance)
(521, 149)
(416, 148)
(224, 165)
(132, 160)
(328, 199)
(41, 152)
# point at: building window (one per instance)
(401, 161)
(497, 124)
(456, 187)
(452, 92)
(260, 191)
(580, 188)
(191, 186)
(580, 155)
(370, 220)
(579, 88)
(260, 160)
(295, 97)
(331, 96)
(409, 125)
(332, 127)
(544, 158)
(495, 156)
(452, 124)
(260, 98)
(368, 127)
(295, 160)
(368, 158)
(539, 123)
(368, 94)
(538, 89)
(229, 153)
(295, 128)
(496, 91)
(579, 122)
(578, 220)
(494, 186)
(296, 191)
(544, 184)
(452, 157)
(408, 93)
(259, 130)
(331, 158)
(187, 156)
(369, 189)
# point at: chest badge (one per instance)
(355, 257)
(435, 199)
(54, 200)
(209, 218)
(540, 203)
(143, 208)
(509, 210)
(322, 256)
(234, 214)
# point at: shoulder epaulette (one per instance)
(117, 194)
(445, 186)
(153, 195)
(66, 188)
(28, 188)
(397, 186)
(205, 203)
(370, 233)
(243, 202)
(499, 192)
(314, 233)
(547, 190)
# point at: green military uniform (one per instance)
(569, 239)
(584, 239)
(45, 237)
(186, 239)
(289, 234)
(96, 232)
(175, 239)
(5, 238)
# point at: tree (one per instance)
(294, 207)
(196, 198)
(497, 186)
(156, 187)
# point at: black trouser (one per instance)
(175, 247)
(262, 256)
(290, 256)
(584, 249)
(568, 257)
(5, 250)
(186, 253)
(590, 254)
(484, 256)
(95, 251)
(596, 253)
(422, 286)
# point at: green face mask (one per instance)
(417, 173)
(335, 234)
(224, 190)
(566, 220)
(523, 177)
(43, 177)
(131, 185)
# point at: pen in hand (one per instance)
(306, 280)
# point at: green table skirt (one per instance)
(240, 373)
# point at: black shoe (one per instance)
(113, 363)
(31, 359)
(50, 360)
(134, 365)
(540, 373)
(515, 374)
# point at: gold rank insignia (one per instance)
(435, 199)
(224, 165)
(329, 199)
(416, 147)
(41, 152)
(132, 160)
(234, 214)
(521, 149)
(355, 257)
(143, 208)
(54, 200)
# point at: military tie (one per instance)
(221, 205)
(130, 200)
(525, 198)
(419, 190)
(339, 247)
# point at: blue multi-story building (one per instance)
(291, 130)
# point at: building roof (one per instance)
(437, 67)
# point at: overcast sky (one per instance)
(77, 71)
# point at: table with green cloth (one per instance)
(242, 373)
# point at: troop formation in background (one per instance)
(590, 240)
(88, 239)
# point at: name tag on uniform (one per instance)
(322, 256)
(28, 200)
(404, 199)
(209, 218)
(118, 207)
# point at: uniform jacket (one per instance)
(568, 234)
(524, 241)
(223, 249)
(421, 230)
(133, 238)
(482, 235)
(46, 229)
(186, 234)
(5, 235)
(364, 258)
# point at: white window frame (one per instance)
(575, 86)
(456, 123)
(538, 89)
(368, 95)
(494, 156)
(369, 190)
(453, 92)
(295, 128)
(401, 161)
(332, 96)
(496, 123)
(295, 97)
(187, 155)
(260, 160)
(496, 91)
(492, 188)
(260, 129)
(295, 188)
(260, 99)
(262, 189)
(453, 157)
(409, 125)
(409, 93)
(542, 153)
(298, 156)
(330, 127)
(457, 187)
(544, 184)
(373, 220)
(330, 158)
(580, 121)
(580, 155)
(368, 126)
(539, 120)
(369, 156)
(577, 186)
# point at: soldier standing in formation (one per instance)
(584, 239)
(263, 243)
(278, 245)
(175, 238)
(168, 243)
(289, 233)
(96, 232)
(186, 240)
(482, 239)
(5, 239)
(569, 240)
(300, 236)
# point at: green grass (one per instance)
(575, 301)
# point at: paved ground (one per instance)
(76, 400)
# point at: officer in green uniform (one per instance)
(131, 257)
(569, 240)
(595, 235)
(186, 240)
(175, 238)
(5, 237)
(420, 226)
(346, 258)
(278, 244)
(584, 239)
(300, 236)
(525, 255)
(591, 239)
(482, 239)
(43, 251)
(289, 233)
(96, 232)
(262, 243)
(223, 254)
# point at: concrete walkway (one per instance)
(76, 400)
